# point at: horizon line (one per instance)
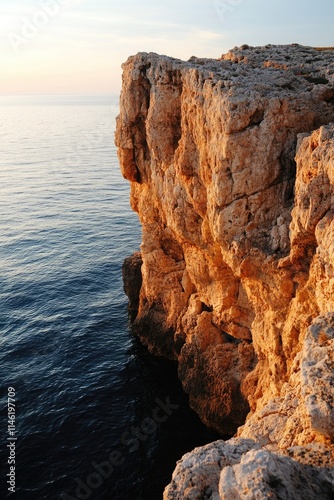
(96, 94)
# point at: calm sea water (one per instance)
(95, 415)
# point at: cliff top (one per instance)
(270, 70)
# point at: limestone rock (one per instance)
(132, 280)
(303, 413)
(239, 469)
(315, 200)
(231, 164)
(197, 474)
(317, 375)
(261, 475)
(209, 147)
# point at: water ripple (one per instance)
(81, 380)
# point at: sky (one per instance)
(77, 46)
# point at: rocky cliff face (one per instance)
(231, 164)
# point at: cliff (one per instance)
(231, 164)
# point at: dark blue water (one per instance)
(95, 415)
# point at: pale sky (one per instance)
(78, 46)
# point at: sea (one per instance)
(86, 411)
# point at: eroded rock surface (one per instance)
(240, 469)
(231, 164)
(132, 281)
